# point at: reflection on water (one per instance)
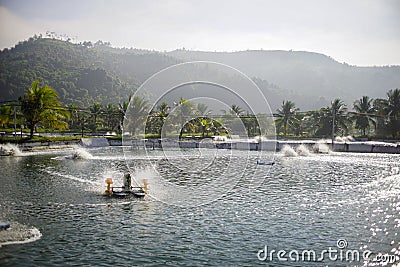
(304, 202)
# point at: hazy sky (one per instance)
(358, 32)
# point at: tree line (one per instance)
(40, 107)
(378, 117)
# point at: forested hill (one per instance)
(80, 73)
(86, 72)
(309, 79)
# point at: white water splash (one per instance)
(344, 139)
(82, 153)
(10, 150)
(384, 187)
(71, 177)
(321, 146)
(288, 151)
(302, 150)
(78, 153)
(19, 234)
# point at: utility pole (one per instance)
(333, 125)
(15, 122)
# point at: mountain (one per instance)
(84, 73)
(309, 79)
(80, 73)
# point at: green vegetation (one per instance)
(39, 109)
(364, 119)
(287, 116)
(86, 73)
(83, 73)
(93, 81)
(381, 115)
(40, 105)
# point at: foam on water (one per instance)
(384, 187)
(78, 153)
(82, 153)
(339, 139)
(302, 150)
(19, 234)
(10, 149)
(144, 174)
(321, 146)
(288, 151)
(117, 177)
(71, 177)
(298, 196)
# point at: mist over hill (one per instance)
(309, 79)
(84, 73)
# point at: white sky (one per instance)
(358, 32)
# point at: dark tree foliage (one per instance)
(81, 73)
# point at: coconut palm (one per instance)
(393, 111)
(122, 107)
(111, 116)
(342, 121)
(202, 109)
(155, 120)
(250, 122)
(203, 121)
(236, 110)
(205, 124)
(183, 114)
(162, 113)
(311, 121)
(74, 117)
(95, 111)
(217, 126)
(136, 113)
(380, 108)
(364, 116)
(41, 105)
(286, 115)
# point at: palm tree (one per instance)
(136, 113)
(311, 121)
(95, 111)
(393, 111)
(236, 110)
(203, 121)
(41, 105)
(380, 107)
(162, 113)
(297, 126)
(74, 118)
(250, 122)
(122, 108)
(339, 111)
(183, 114)
(202, 109)
(111, 119)
(205, 124)
(216, 126)
(323, 121)
(287, 115)
(365, 110)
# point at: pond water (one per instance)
(207, 208)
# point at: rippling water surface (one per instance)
(212, 208)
